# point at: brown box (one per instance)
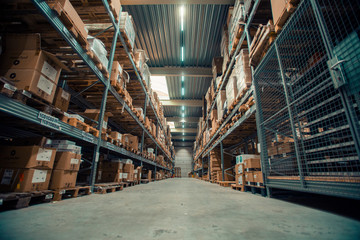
(27, 157)
(217, 63)
(108, 166)
(252, 163)
(95, 113)
(116, 75)
(277, 7)
(149, 177)
(115, 7)
(34, 82)
(62, 99)
(258, 177)
(131, 141)
(287, 147)
(139, 169)
(63, 179)
(249, 177)
(128, 172)
(109, 176)
(67, 161)
(24, 180)
(213, 114)
(240, 179)
(116, 135)
(239, 168)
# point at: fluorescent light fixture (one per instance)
(182, 54)
(183, 133)
(183, 108)
(182, 91)
(183, 120)
(159, 85)
(183, 139)
(182, 17)
(171, 124)
(182, 78)
(183, 126)
(183, 115)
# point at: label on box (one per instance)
(121, 175)
(240, 181)
(45, 85)
(49, 71)
(65, 95)
(240, 169)
(125, 175)
(258, 184)
(44, 154)
(39, 176)
(74, 161)
(10, 87)
(6, 180)
(49, 196)
(104, 124)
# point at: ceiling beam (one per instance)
(153, 2)
(183, 137)
(181, 71)
(185, 130)
(185, 119)
(186, 103)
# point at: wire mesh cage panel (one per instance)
(309, 123)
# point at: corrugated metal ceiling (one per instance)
(195, 87)
(172, 111)
(158, 33)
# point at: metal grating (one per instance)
(305, 121)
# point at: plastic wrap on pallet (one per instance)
(127, 26)
(98, 48)
(140, 59)
(224, 42)
(231, 89)
(220, 100)
(242, 70)
(237, 17)
(146, 75)
(117, 75)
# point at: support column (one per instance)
(222, 161)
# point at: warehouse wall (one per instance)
(183, 159)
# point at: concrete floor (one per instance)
(175, 209)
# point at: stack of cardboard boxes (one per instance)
(248, 170)
(110, 171)
(215, 167)
(67, 164)
(25, 168)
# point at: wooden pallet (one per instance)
(74, 192)
(69, 23)
(15, 200)
(225, 183)
(82, 126)
(144, 181)
(238, 187)
(103, 188)
(255, 189)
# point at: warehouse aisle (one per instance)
(174, 209)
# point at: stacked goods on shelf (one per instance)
(282, 147)
(281, 11)
(93, 115)
(29, 67)
(128, 171)
(245, 162)
(236, 26)
(264, 37)
(98, 53)
(67, 164)
(217, 66)
(117, 79)
(116, 8)
(224, 50)
(220, 104)
(71, 20)
(110, 171)
(214, 122)
(25, 168)
(127, 30)
(215, 166)
(130, 142)
(61, 99)
(137, 174)
(146, 175)
(253, 174)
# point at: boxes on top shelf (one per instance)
(282, 10)
(94, 114)
(241, 158)
(140, 59)
(242, 71)
(131, 141)
(116, 8)
(127, 27)
(29, 67)
(231, 89)
(236, 26)
(117, 79)
(220, 101)
(98, 48)
(217, 63)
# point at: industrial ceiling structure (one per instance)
(180, 38)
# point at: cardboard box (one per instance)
(24, 180)
(217, 66)
(241, 158)
(252, 163)
(131, 141)
(220, 100)
(111, 166)
(231, 89)
(116, 78)
(67, 161)
(239, 168)
(258, 177)
(287, 147)
(249, 177)
(213, 114)
(62, 99)
(277, 7)
(115, 7)
(34, 82)
(63, 179)
(27, 157)
(128, 172)
(94, 114)
(109, 176)
(116, 135)
(240, 179)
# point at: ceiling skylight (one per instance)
(159, 85)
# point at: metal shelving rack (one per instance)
(216, 139)
(307, 90)
(19, 110)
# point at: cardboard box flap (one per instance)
(57, 61)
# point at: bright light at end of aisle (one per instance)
(182, 17)
(182, 78)
(182, 91)
(183, 108)
(182, 54)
